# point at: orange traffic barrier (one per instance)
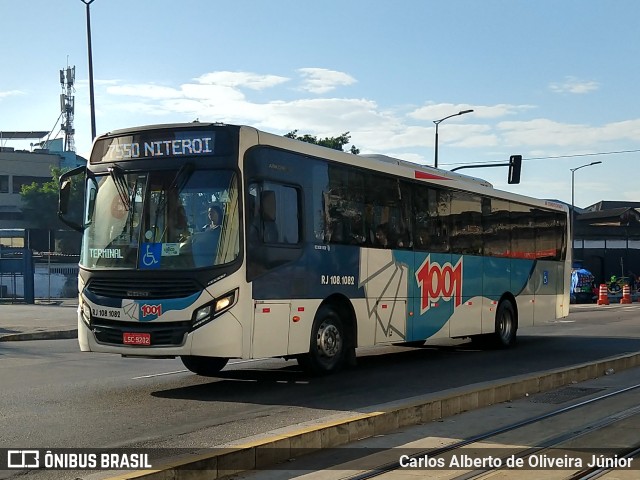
(603, 295)
(626, 294)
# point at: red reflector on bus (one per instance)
(384, 305)
(301, 309)
(296, 318)
(266, 310)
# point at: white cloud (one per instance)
(10, 93)
(207, 93)
(432, 112)
(574, 85)
(625, 130)
(144, 91)
(250, 80)
(321, 80)
(220, 96)
(542, 131)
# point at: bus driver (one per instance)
(215, 215)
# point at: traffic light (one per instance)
(515, 165)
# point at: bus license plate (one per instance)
(136, 338)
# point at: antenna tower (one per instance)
(67, 82)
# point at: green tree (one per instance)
(336, 143)
(40, 209)
(40, 201)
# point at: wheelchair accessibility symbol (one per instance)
(150, 256)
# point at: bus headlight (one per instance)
(86, 313)
(211, 310)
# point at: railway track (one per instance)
(572, 453)
(591, 433)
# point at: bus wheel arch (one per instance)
(333, 337)
(506, 323)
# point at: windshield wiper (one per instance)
(132, 203)
(117, 175)
(182, 177)
(177, 184)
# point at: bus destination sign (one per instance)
(159, 148)
(171, 144)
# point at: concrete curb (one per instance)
(279, 447)
(44, 335)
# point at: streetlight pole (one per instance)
(91, 102)
(573, 173)
(437, 122)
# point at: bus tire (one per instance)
(506, 325)
(327, 349)
(205, 366)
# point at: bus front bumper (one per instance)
(222, 337)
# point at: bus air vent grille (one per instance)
(147, 288)
(162, 334)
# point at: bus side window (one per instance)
(268, 212)
(253, 217)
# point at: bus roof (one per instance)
(395, 166)
(390, 165)
(426, 168)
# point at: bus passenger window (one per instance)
(268, 209)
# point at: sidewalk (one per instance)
(44, 320)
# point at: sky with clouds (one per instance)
(553, 80)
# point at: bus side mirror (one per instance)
(63, 199)
(70, 213)
(515, 165)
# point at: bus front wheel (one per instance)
(205, 366)
(327, 346)
(506, 325)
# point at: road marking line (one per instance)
(184, 371)
(159, 374)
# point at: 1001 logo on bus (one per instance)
(151, 310)
(439, 281)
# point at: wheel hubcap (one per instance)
(505, 327)
(329, 340)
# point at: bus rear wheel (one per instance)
(327, 349)
(506, 325)
(205, 366)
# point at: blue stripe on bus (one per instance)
(326, 269)
(146, 310)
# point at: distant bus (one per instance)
(315, 252)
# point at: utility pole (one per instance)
(437, 122)
(91, 101)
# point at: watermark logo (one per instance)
(23, 459)
(66, 459)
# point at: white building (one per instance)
(23, 167)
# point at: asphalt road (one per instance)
(53, 396)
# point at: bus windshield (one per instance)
(161, 219)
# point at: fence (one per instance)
(16, 274)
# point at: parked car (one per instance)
(582, 286)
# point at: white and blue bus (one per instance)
(309, 254)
